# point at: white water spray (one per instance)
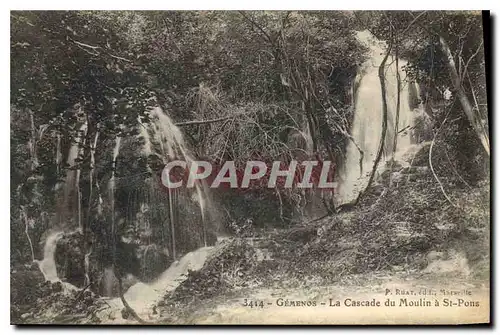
(368, 114)
(161, 133)
(73, 176)
(48, 264)
(141, 297)
(170, 139)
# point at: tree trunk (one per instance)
(91, 172)
(398, 108)
(474, 119)
(171, 194)
(381, 76)
(33, 142)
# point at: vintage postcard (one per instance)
(249, 167)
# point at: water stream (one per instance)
(48, 264)
(141, 296)
(368, 114)
(163, 132)
(73, 177)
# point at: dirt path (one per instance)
(268, 305)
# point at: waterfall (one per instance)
(48, 264)
(367, 121)
(73, 176)
(172, 146)
(162, 137)
(58, 153)
(143, 131)
(108, 279)
(141, 297)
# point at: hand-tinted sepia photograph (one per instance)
(249, 167)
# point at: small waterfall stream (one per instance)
(48, 264)
(72, 183)
(141, 296)
(366, 126)
(162, 137)
(163, 131)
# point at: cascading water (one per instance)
(164, 139)
(170, 139)
(366, 127)
(108, 277)
(58, 152)
(141, 297)
(73, 176)
(161, 133)
(48, 264)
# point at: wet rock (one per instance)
(70, 258)
(125, 313)
(57, 287)
(88, 301)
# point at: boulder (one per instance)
(125, 313)
(57, 287)
(70, 258)
(70, 261)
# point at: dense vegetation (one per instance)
(241, 85)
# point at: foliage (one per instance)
(267, 85)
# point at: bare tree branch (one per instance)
(249, 19)
(432, 168)
(197, 122)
